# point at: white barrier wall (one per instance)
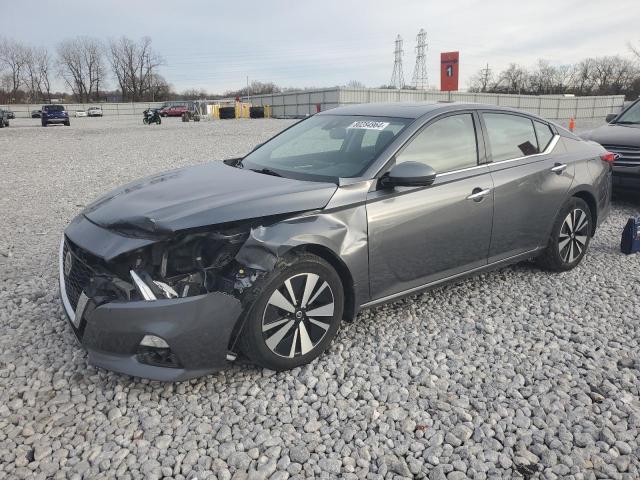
(553, 107)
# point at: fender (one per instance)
(341, 230)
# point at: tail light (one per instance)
(609, 157)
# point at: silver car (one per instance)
(176, 275)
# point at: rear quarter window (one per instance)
(544, 134)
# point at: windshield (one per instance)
(54, 108)
(632, 115)
(326, 147)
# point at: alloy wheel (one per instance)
(573, 236)
(298, 315)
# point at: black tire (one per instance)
(67, 123)
(145, 121)
(44, 124)
(291, 338)
(159, 121)
(570, 237)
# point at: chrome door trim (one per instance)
(552, 144)
(548, 150)
(443, 280)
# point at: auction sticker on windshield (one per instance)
(368, 125)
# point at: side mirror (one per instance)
(609, 118)
(408, 174)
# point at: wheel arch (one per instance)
(590, 199)
(341, 269)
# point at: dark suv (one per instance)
(54, 114)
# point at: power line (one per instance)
(420, 80)
(397, 77)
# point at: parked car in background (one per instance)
(4, 118)
(172, 276)
(11, 115)
(81, 113)
(174, 111)
(621, 135)
(94, 111)
(167, 105)
(36, 113)
(52, 114)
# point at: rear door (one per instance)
(531, 179)
(419, 235)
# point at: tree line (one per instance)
(608, 75)
(84, 65)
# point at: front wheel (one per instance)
(159, 121)
(67, 123)
(296, 314)
(570, 237)
(145, 121)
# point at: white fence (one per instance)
(553, 107)
(108, 109)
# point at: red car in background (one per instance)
(173, 111)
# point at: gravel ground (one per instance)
(513, 374)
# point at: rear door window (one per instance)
(510, 136)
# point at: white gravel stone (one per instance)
(515, 373)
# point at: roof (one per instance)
(410, 110)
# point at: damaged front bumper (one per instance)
(165, 339)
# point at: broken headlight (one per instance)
(192, 264)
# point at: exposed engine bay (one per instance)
(189, 264)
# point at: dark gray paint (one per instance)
(208, 194)
(390, 241)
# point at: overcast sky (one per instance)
(215, 45)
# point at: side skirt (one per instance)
(443, 281)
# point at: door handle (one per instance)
(559, 168)
(478, 194)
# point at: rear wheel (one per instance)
(296, 314)
(570, 237)
(159, 121)
(67, 123)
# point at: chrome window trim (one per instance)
(63, 288)
(460, 170)
(552, 144)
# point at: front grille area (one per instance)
(628, 155)
(79, 275)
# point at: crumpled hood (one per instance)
(203, 195)
(612, 134)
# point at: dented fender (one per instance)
(340, 228)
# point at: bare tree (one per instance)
(513, 80)
(36, 77)
(482, 81)
(134, 65)
(13, 58)
(81, 65)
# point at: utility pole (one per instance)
(248, 95)
(397, 77)
(420, 81)
(486, 75)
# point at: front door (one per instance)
(421, 235)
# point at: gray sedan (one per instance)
(176, 275)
